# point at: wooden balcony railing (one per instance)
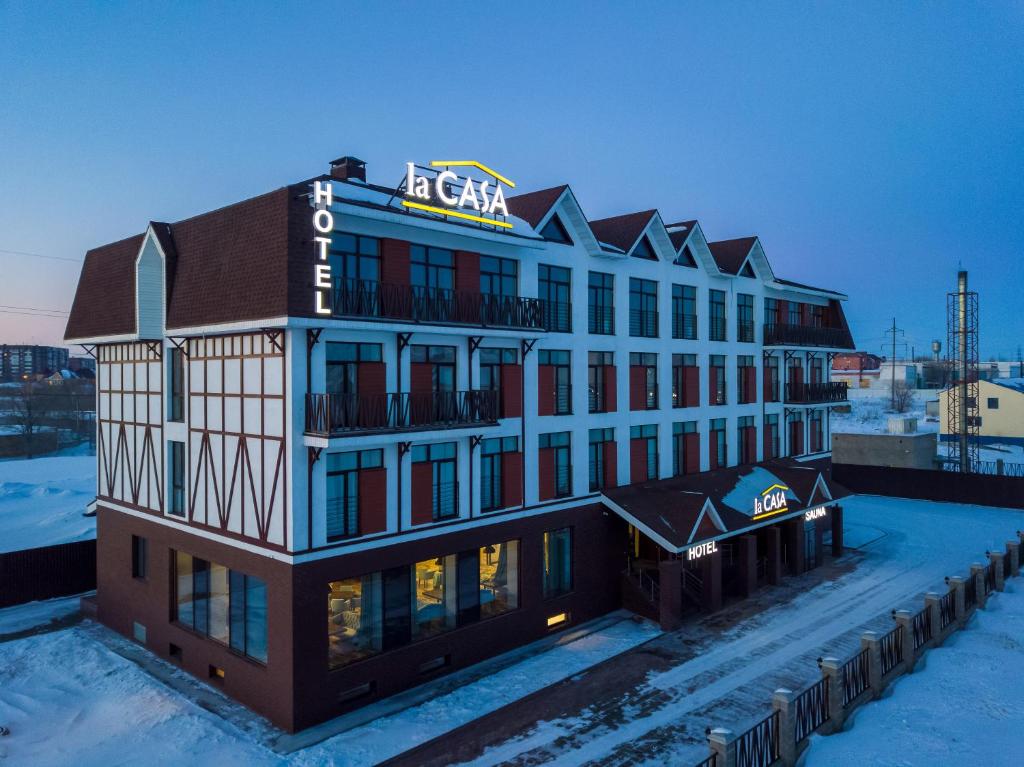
(338, 415)
(411, 303)
(815, 393)
(807, 335)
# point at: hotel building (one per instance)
(352, 437)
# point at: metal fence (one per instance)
(759, 746)
(947, 609)
(856, 677)
(711, 761)
(892, 649)
(990, 577)
(999, 468)
(47, 572)
(811, 709)
(970, 592)
(922, 625)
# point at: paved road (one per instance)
(652, 705)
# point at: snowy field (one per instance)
(870, 412)
(42, 500)
(69, 699)
(960, 706)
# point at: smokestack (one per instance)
(348, 168)
(961, 329)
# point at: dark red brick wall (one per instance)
(373, 501)
(511, 391)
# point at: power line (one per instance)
(34, 309)
(40, 255)
(33, 314)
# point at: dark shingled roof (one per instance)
(730, 254)
(680, 232)
(105, 301)
(228, 265)
(671, 508)
(533, 206)
(622, 231)
(808, 287)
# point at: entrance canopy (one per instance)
(681, 512)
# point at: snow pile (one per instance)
(34, 614)
(42, 500)
(961, 707)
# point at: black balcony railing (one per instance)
(815, 393)
(411, 303)
(807, 335)
(335, 415)
(716, 328)
(601, 320)
(643, 324)
(563, 399)
(684, 326)
(557, 316)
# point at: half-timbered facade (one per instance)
(352, 437)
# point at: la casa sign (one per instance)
(772, 501)
(478, 200)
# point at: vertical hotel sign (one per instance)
(323, 225)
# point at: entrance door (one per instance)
(810, 547)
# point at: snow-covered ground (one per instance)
(870, 412)
(69, 699)
(962, 706)
(906, 548)
(42, 500)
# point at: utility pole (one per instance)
(895, 332)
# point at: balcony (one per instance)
(807, 335)
(342, 415)
(816, 393)
(410, 303)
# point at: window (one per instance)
(685, 386)
(746, 379)
(719, 450)
(643, 249)
(431, 269)
(717, 373)
(558, 462)
(554, 292)
(223, 604)
(355, 260)
(560, 363)
(434, 607)
(600, 375)
(557, 562)
(644, 439)
(491, 360)
(795, 313)
(177, 484)
(601, 306)
(601, 450)
(816, 430)
(716, 316)
(643, 371)
(354, 626)
(684, 312)
(744, 318)
(177, 386)
(398, 594)
(491, 479)
(771, 310)
(499, 276)
(442, 366)
(643, 308)
(993, 403)
(343, 490)
(343, 360)
(554, 231)
(685, 257)
(499, 578)
(817, 315)
(683, 462)
(771, 379)
(140, 554)
(746, 438)
(771, 436)
(444, 490)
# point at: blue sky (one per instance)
(872, 147)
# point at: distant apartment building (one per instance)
(22, 362)
(1000, 412)
(351, 437)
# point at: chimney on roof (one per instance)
(348, 168)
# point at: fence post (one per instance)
(997, 558)
(833, 669)
(931, 604)
(905, 620)
(956, 584)
(784, 701)
(1013, 552)
(978, 573)
(723, 743)
(871, 642)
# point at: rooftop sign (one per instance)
(772, 501)
(458, 196)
